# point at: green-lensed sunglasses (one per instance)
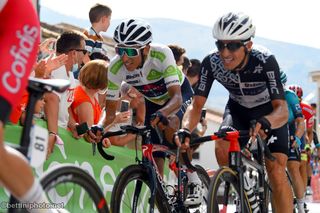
(129, 51)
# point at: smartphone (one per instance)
(82, 128)
(203, 114)
(124, 107)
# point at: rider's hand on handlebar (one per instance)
(158, 119)
(257, 130)
(94, 135)
(182, 139)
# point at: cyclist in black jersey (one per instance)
(251, 75)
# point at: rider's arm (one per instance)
(192, 116)
(294, 105)
(115, 77)
(309, 134)
(175, 101)
(111, 107)
(193, 113)
(299, 127)
(279, 115)
(19, 42)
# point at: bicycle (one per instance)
(140, 188)
(62, 181)
(243, 185)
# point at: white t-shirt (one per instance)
(66, 98)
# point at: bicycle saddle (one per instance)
(48, 85)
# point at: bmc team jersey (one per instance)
(256, 84)
(19, 40)
(158, 73)
(308, 114)
(293, 106)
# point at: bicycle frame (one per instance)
(239, 163)
(148, 162)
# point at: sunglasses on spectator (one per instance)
(231, 46)
(129, 51)
(81, 50)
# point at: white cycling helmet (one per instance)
(234, 26)
(133, 32)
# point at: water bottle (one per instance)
(250, 193)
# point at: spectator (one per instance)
(177, 53)
(56, 108)
(85, 106)
(100, 16)
(193, 72)
(193, 76)
(185, 65)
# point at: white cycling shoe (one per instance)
(194, 196)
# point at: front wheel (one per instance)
(74, 189)
(224, 193)
(131, 192)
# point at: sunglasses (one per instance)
(231, 46)
(81, 50)
(130, 52)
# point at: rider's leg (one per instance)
(281, 191)
(160, 164)
(12, 165)
(303, 170)
(297, 182)
(221, 151)
(26, 189)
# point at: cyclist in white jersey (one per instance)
(152, 70)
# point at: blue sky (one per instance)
(290, 21)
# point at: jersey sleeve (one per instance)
(170, 69)
(115, 78)
(308, 114)
(205, 78)
(274, 84)
(294, 105)
(19, 42)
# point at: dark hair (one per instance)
(314, 105)
(177, 51)
(186, 63)
(98, 55)
(98, 11)
(194, 69)
(69, 40)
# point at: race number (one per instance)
(38, 146)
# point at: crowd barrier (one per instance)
(79, 152)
